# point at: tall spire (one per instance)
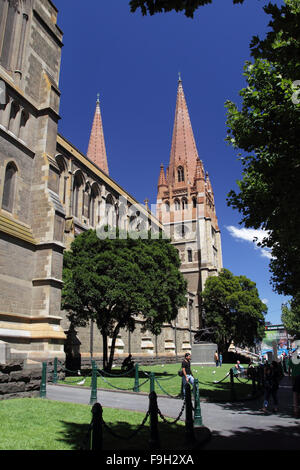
(183, 149)
(96, 149)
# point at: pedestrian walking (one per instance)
(216, 358)
(294, 374)
(187, 376)
(220, 359)
(272, 377)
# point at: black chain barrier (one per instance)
(177, 419)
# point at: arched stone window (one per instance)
(24, 126)
(77, 184)
(14, 117)
(13, 25)
(110, 210)
(180, 173)
(8, 15)
(184, 203)
(9, 187)
(167, 206)
(92, 203)
(177, 205)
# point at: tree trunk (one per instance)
(113, 345)
(105, 350)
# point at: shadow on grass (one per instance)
(222, 392)
(171, 436)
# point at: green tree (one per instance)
(115, 281)
(158, 6)
(266, 129)
(290, 317)
(233, 310)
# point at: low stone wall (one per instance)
(19, 380)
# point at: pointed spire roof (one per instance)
(183, 149)
(96, 149)
(162, 179)
(199, 172)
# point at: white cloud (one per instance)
(265, 301)
(250, 235)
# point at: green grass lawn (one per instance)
(168, 382)
(41, 424)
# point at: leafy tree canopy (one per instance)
(158, 6)
(233, 310)
(266, 128)
(290, 317)
(113, 281)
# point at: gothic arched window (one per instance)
(177, 205)
(92, 204)
(184, 203)
(9, 187)
(180, 173)
(78, 181)
(13, 25)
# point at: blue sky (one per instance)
(133, 62)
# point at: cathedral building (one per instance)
(186, 209)
(50, 192)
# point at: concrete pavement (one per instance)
(233, 426)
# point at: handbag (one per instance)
(180, 373)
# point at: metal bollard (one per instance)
(197, 408)
(93, 397)
(54, 379)
(97, 433)
(43, 381)
(152, 384)
(153, 410)
(136, 387)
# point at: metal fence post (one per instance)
(93, 398)
(54, 379)
(189, 425)
(152, 385)
(97, 434)
(153, 410)
(43, 381)
(197, 408)
(136, 387)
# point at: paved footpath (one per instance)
(233, 426)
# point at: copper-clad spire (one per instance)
(183, 149)
(96, 149)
